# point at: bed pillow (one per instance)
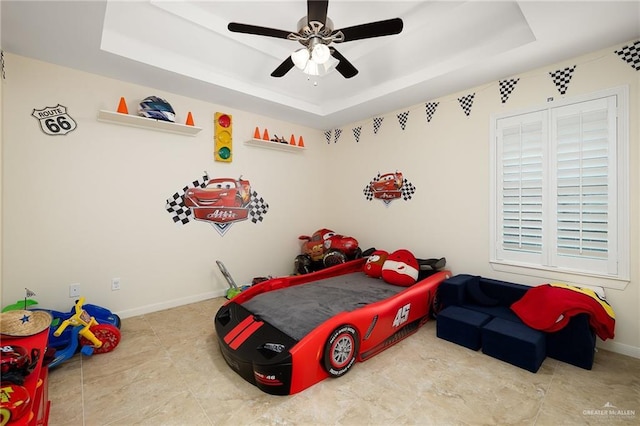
(400, 268)
(373, 267)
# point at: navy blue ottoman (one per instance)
(514, 343)
(461, 326)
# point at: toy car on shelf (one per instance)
(323, 249)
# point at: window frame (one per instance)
(523, 264)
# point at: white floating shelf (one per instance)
(274, 145)
(147, 123)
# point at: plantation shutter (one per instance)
(560, 188)
(521, 149)
(585, 170)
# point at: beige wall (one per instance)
(448, 160)
(89, 206)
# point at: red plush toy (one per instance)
(373, 267)
(401, 268)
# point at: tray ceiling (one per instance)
(185, 48)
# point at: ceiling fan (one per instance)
(316, 34)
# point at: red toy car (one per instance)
(220, 192)
(325, 248)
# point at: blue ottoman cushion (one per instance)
(461, 326)
(514, 343)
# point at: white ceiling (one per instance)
(184, 47)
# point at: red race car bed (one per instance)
(286, 334)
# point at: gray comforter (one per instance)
(299, 309)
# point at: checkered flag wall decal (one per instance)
(506, 87)
(377, 122)
(407, 190)
(356, 133)
(631, 54)
(175, 204)
(466, 102)
(336, 135)
(562, 78)
(430, 108)
(223, 216)
(368, 191)
(327, 135)
(257, 208)
(403, 117)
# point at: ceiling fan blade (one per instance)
(344, 67)
(283, 68)
(372, 29)
(317, 10)
(253, 29)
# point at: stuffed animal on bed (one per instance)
(401, 268)
(373, 267)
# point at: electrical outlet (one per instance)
(74, 290)
(115, 284)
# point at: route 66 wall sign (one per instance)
(54, 121)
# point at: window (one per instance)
(560, 187)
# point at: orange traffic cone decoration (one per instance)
(265, 136)
(300, 142)
(292, 141)
(122, 107)
(189, 119)
(256, 134)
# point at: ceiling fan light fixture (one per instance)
(316, 33)
(312, 68)
(320, 69)
(300, 58)
(320, 53)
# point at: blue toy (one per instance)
(102, 315)
(93, 330)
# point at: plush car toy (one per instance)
(401, 268)
(323, 249)
(375, 261)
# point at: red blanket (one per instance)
(549, 307)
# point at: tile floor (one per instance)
(168, 370)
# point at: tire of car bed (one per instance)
(340, 350)
(436, 306)
(333, 258)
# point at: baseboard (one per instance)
(620, 348)
(147, 309)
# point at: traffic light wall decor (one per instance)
(223, 137)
